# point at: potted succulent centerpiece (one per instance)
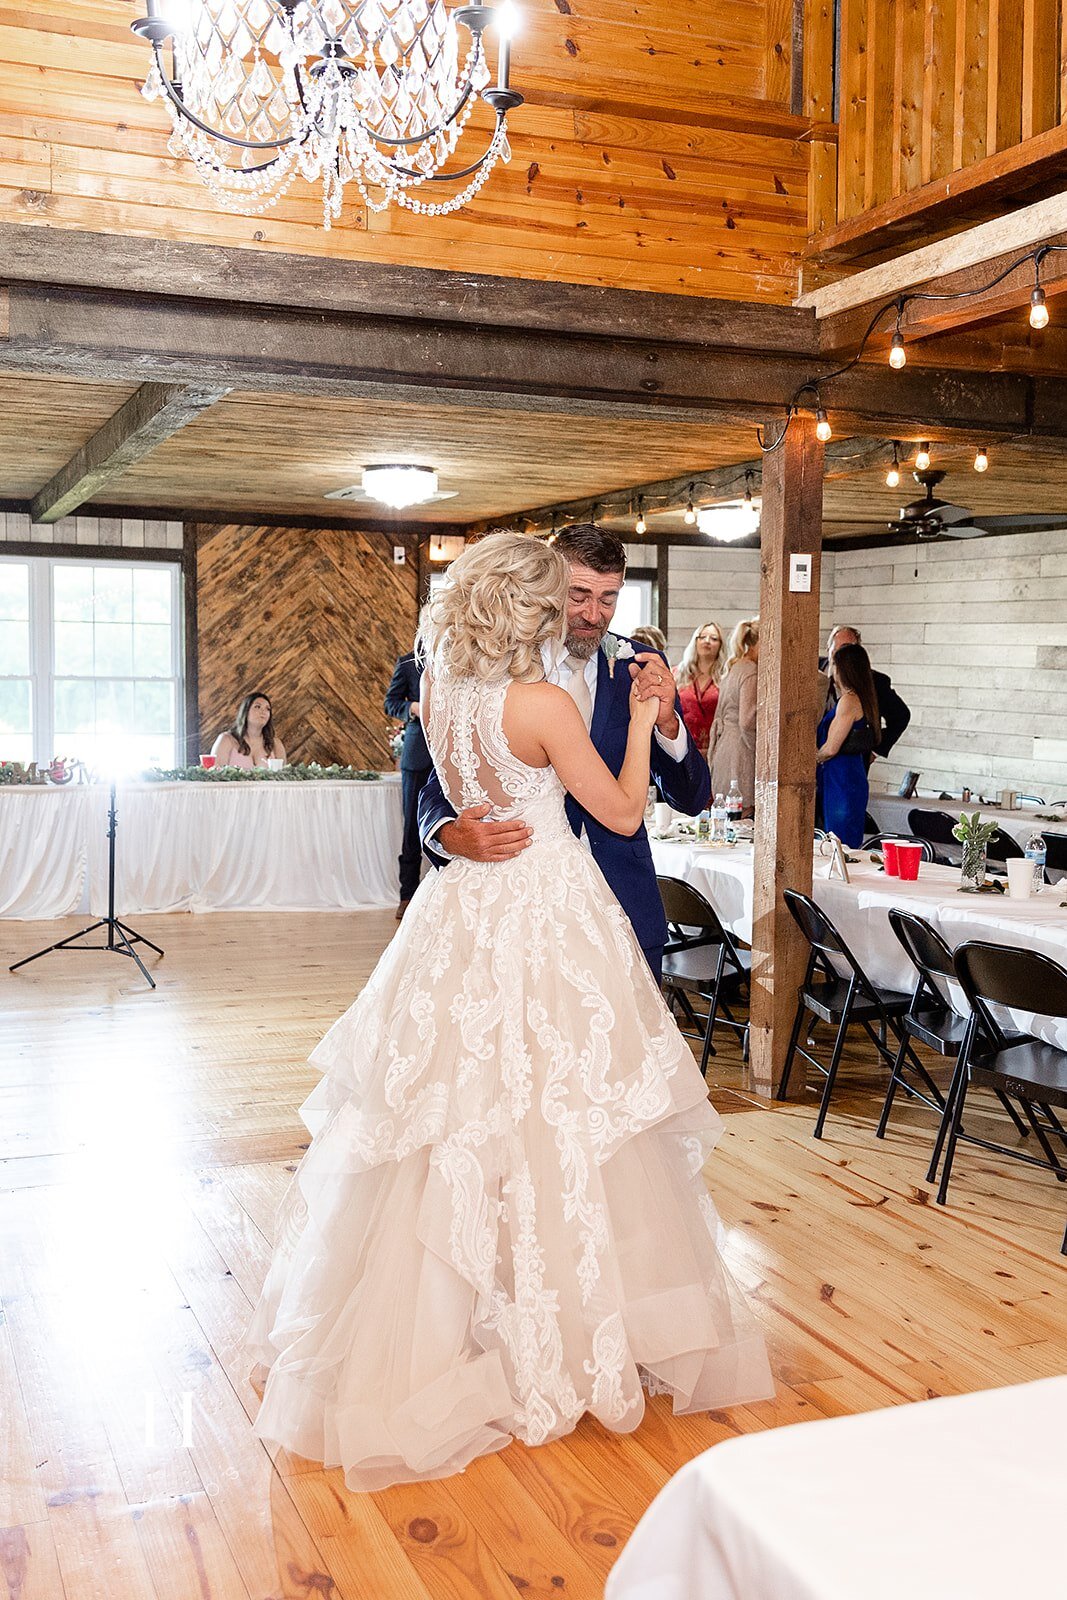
(974, 835)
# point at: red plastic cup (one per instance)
(889, 858)
(207, 762)
(908, 858)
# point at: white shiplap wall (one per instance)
(134, 533)
(977, 646)
(716, 584)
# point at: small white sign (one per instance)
(800, 574)
(400, 555)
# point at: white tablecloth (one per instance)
(43, 850)
(931, 1501)
(301, 846)
(891, 812)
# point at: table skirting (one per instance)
(322, 845)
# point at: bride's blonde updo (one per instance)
(501, 599)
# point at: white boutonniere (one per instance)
(616, 649)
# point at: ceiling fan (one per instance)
(932, 518)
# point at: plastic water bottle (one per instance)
(704, 826)
(718, 820)
(1035, 853)
(734, 803)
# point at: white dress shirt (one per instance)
(557, 671)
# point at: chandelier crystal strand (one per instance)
(377, 93)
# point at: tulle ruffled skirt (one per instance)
(501, 1222)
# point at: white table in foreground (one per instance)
(936, 1500)
(318, 845)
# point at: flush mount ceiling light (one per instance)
(733, 520)
(399, 486)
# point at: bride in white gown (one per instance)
(501, 1222)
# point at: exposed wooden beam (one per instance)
(154, 412)
(92, 335)
(266, 278)
(843, 459)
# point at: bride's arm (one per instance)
(547, 716)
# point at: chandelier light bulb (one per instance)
(823, 430)
(922, 457)
(981, 460)
(507, 19)
(1038, 309)
(897, 354)
(399, 486)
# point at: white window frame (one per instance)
(42, 641)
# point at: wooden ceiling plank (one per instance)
(153, 413)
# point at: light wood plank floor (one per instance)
(145, 1142)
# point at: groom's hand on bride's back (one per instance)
(477, 840)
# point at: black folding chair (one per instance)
(930, 1020)
(703, 959)
(876, 841)
(831, 997)
(1002, 847)
(1029, 1070)
(936, 827)
(1055, 856)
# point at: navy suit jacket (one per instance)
(403, 691)
(625, 862)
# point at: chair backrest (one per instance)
(936, 826)
(925, 949)
(1031, 799)
(824, 939)
(877, 839)
(1055, 852)
(1002, 847)
(1006, 975)
(686, 909)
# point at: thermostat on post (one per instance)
(800, 574)
(400, 555)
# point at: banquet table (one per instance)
(860, 908)
(927, 1501)
(329, 845)
(891, 812)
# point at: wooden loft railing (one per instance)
(927, 111)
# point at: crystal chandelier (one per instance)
(372, 92)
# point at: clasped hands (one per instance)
(476, 840)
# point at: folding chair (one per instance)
(703, 959)
(878, 839)
(936, 827)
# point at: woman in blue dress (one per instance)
(842, 778)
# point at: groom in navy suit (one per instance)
(598, 565)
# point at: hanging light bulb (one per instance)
(922, 457)
(981, 460)
(690, 510)
(748, 486)
(892, 477)
(640, 526)
(823, 430)
(897, 354)
(1038, 309)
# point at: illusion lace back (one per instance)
(501, 1222)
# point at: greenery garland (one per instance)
(299, 772)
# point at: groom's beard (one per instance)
(584, 645)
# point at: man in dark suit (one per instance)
(402, 702)
(598, 564)
(893, 713)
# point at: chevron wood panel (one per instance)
(316, 617)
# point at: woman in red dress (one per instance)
(698, 682)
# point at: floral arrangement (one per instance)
(974, 835)
(396, 741)
(14, 772)
(299, 772)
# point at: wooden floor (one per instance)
(145, 1141)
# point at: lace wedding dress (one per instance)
(501, 1222)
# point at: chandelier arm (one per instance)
(213, 133)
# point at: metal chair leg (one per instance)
(831, 1071)
(794, 1038)
(895, 1078)
(957, 1103)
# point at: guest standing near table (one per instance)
(841, 778)
(732, 745)
(252, 741)
(697, 677)
(402, 702)
(893, 713)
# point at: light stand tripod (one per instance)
(120, 938)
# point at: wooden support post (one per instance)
(791, 524)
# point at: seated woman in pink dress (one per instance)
(252, 741)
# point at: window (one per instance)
(90, 662)
(634, 609)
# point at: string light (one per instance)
(823, 430)
(690, 510)
(640, 526)
(1038, 308)
(897, 354)
(922, 457)
(981, 460)
(748, 485)
(892, 477)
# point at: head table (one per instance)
(317, 844)
(859, 909)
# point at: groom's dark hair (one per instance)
(592, 546)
